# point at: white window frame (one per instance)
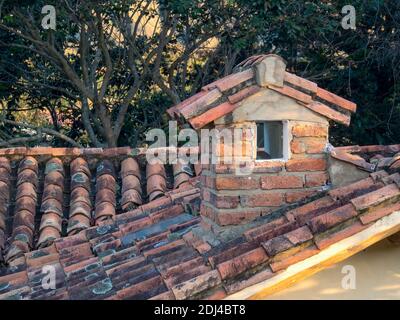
(285, 141)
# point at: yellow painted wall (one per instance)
(377, 277)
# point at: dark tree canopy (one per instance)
(111, 68)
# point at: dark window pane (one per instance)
(270, 140)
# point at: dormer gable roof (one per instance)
(224, 95)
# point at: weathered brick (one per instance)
(206, 194)
(224, 201)
(316, 179)
(295, 196)
(281, 182)
(308, 145)
(275, 199)
(237, 183)
(309, 164)
(235, 149)
(309, 130)
(229, 217)
(268, 166)
(208, 181)
(207, 211)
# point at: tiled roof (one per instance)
(370, 158)
(47, 193)
(155, 252)
(223, 96)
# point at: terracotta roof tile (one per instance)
(285, 262)
(301, 82)
(215, 100)
(231, 81)
(142, 254)
(239, 264)
(327, 239)
(333, 98)
(372, 199)
(293, 93)
(375, 214)
(201, 105)
(244, 282)
(330, 219)
(196, 285)
(328, 112)
(354, 189)
(277, 245)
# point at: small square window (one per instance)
(271, 140)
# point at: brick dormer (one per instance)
(277, 152)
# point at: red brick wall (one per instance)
(231, 199)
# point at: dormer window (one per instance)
(272, 140)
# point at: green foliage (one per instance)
(362, 64)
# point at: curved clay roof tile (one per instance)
(131, 182)
(22, 233)
(105, 195)
(103, 211)
(25, 203)
(77, 223)
(26, 189)
(27, 175)
(105, 167)
(28, 163)
(180, 179)
(54, 177)
(155, 169)
(52, 206)
(80, 194)
(51, 220)
(155, 195)
(47, 236)
(54, 164)
(26, 218)
(4, 175)
(80, 179)
(80, 165)
(106, 181)
(53, 191)
(156, 182)
(130, 166)
(5, 163)
(130, 198)
(81, 208)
